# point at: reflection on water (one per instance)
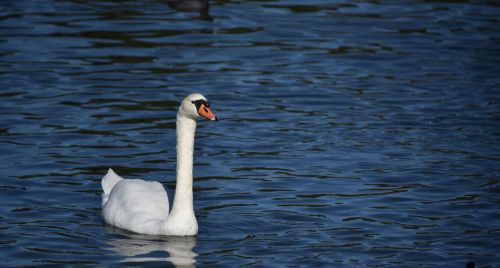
(200, 6)
(146, 248)
(354, 133)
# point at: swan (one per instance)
(142, 206)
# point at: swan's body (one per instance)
(142, 206)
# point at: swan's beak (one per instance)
(206, 112)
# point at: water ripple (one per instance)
(354, 134)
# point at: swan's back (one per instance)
(137, 205)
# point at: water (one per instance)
(354, 134)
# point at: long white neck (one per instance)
(186, 128)
(181, 220)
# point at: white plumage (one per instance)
(142, 206)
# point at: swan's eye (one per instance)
(199, 103)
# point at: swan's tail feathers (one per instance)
(108, 182)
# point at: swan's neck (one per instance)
(186, 129)
(182, 213)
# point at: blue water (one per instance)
(353, 134)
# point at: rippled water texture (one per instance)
(354, 134)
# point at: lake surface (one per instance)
(353, 134)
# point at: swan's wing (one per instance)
(137, 205)
(108, 182)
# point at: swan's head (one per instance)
(195, 105)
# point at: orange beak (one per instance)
(206, 112)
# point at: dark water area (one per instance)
(353, 134)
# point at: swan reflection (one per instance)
(147, 248)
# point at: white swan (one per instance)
(142, 206)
